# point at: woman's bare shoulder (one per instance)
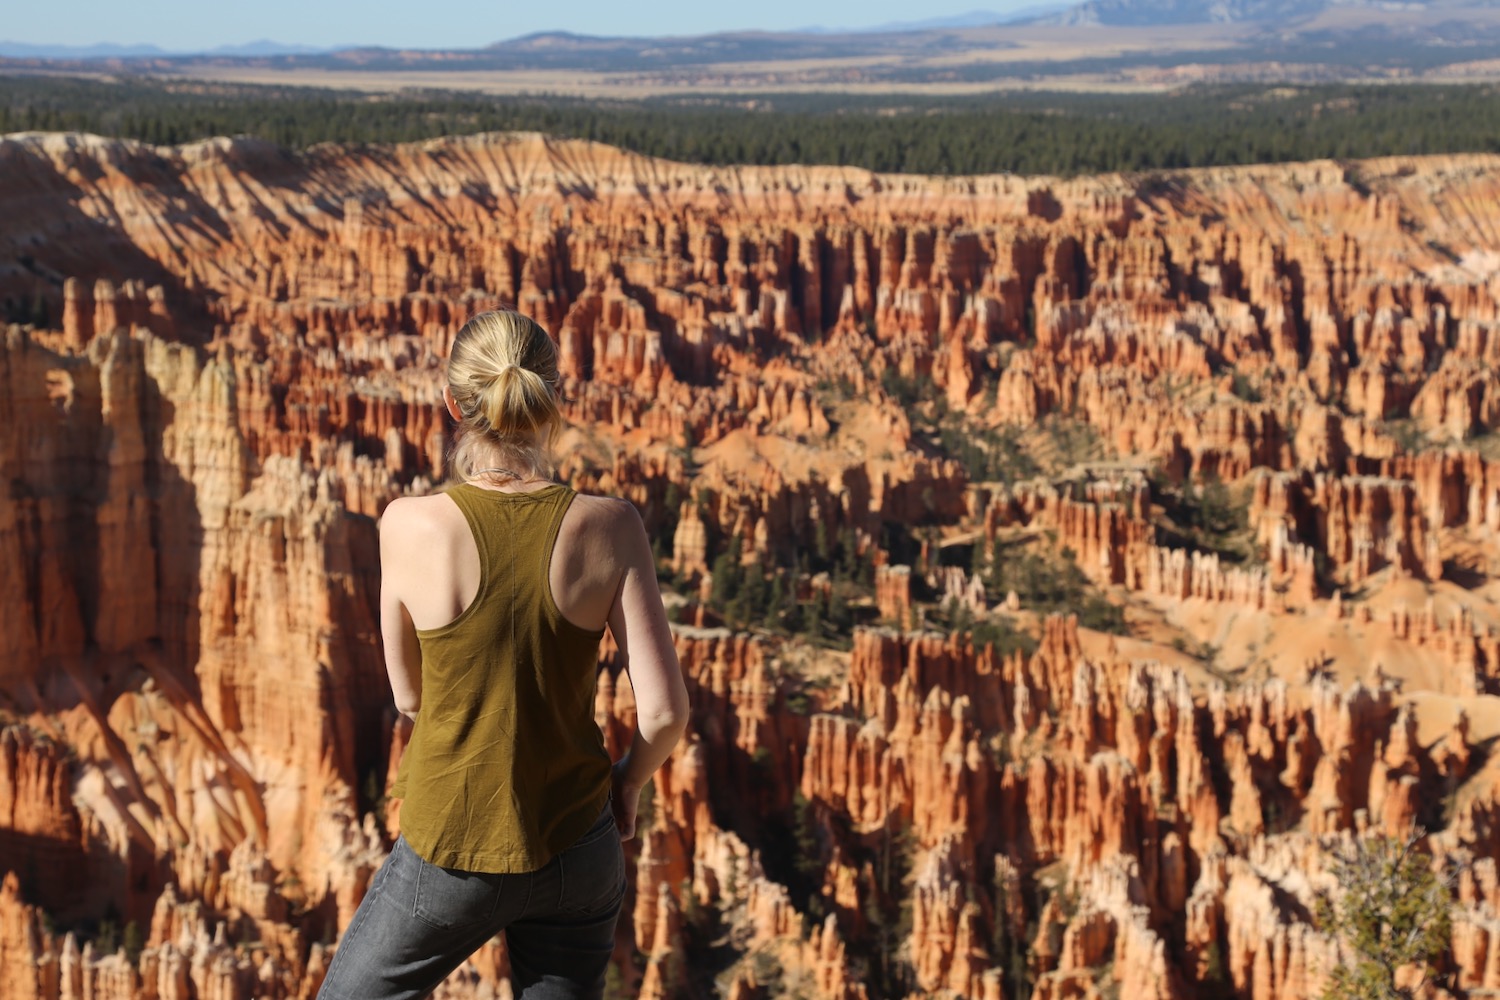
(607, 527)
(605, 511)
(417, 514)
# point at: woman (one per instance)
(494, 596)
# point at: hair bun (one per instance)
(502, 372)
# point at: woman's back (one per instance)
(506, 766)
(494, 597)
(427, 544)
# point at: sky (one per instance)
(184, 25)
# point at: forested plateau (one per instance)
(1025, 132)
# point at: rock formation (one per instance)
(1251, 406)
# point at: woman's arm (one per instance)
(403, 656)
(639, 624)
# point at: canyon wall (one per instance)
(867, 420)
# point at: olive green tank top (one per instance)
(506, 766)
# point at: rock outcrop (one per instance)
(1250, 406)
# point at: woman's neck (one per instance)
(506, 469)
(498, 478)
(505, 465)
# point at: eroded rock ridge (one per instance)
(867, 420)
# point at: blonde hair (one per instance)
(502, 372)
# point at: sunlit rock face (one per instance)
(810, 376)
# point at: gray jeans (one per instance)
(419, 922)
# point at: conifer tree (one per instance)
(1392, 914)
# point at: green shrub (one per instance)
(1392, 911)
(1051, 583)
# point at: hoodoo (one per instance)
(1062, 570)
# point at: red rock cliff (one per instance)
(1251, 405)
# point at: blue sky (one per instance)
(197, 24)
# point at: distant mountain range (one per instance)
(732, 46)
(1215, 41)
(971, 19)
(1162, 13)
(1172, 12)
(263, 47)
